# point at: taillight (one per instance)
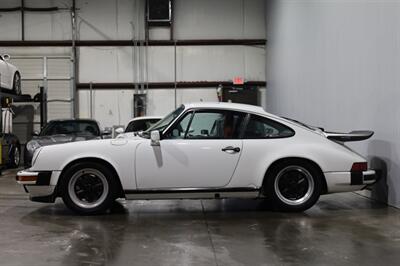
(359, 167)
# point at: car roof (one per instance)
(229, 106)
(72, 120)
(243, 108)
(145, 118)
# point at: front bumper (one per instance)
(349, 181)
(40, 184)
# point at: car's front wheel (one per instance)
(88, 188)
(293, 185)
(17, 83)
(15, 156)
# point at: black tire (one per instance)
(17, 83)
(87, 177)
(15, 157)
(293, 186)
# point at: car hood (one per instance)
(117, 152)
(62, 138)
(129, 135)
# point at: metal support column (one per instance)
(43, 107)
(23, 20)
(74, 58)
(175, 77)
(91, 100)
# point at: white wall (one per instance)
(336, 64)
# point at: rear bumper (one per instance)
(39, 185)
(349, 181)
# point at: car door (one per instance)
(201, 150)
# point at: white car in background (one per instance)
(202, 151)
(136, 125)
(10, 77)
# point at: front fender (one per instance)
(121, 157)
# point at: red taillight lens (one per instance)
(359, 167)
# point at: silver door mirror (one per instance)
(6, 57)
(155, 138)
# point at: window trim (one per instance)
(177, 121)
(189, 124)
(194, 110)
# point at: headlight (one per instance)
(32, 145)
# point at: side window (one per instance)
(263, 128)
(208, 125)
(179, 130)
(215, 125)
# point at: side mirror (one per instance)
(119, 130)
(155, 138)
(35, 133)
(6, 57)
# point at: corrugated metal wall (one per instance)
(123, 19)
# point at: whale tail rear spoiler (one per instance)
(351, 136)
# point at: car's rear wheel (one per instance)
(88, 188)
(293, 185)
(17, 83)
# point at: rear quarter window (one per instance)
(260, 127)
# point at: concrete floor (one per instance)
(343, 229)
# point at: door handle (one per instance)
(230, 148)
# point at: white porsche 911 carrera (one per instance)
(202, 151)
(10, 77)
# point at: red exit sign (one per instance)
(238, 81)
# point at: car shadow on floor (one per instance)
(327, 203)
(165, 225)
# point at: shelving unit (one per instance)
(7, 98)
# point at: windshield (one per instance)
(71, 127)
(163, 123)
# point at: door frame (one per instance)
(194, 110)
